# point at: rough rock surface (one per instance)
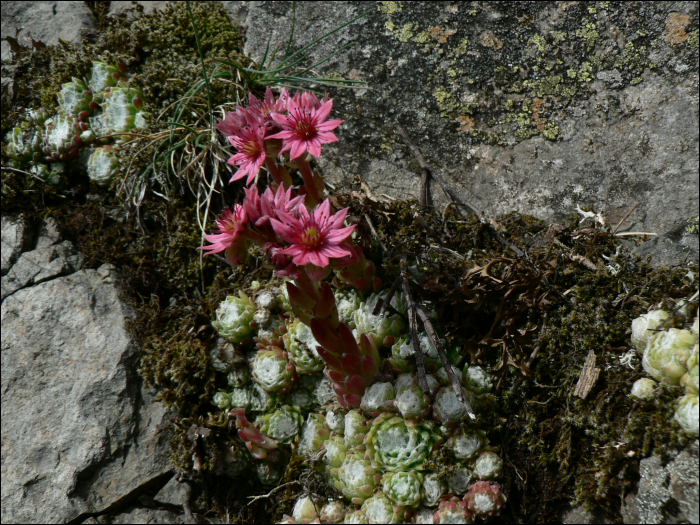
(15, 236)
(79, 437)
(44, 22)
(668, 493)
(534, 107)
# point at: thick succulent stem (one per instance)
(312, 189)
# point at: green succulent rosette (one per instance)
(356, 427)
(466, 445)
(394, 443)
(221, 400)
(103, 165)
(357, 477)
(314, 434)
(102, 76)
(403, 354)
(380, 509)
(355, 517)
(477, 379)
(403, 488)
(689, 381)
(304, 510)
(301, 347)
(273, 371)
(333, 512)
(458, 478)
(434, 488)
(347, 302)
(282, 425)
(447, 408)
(75, 98)
(667, 353)
(335, 419)
(269, 473)
(383, 328)
(686, 414)
(238, 376)
(488, 465)
(643, 388)
(233, 318)
(644, 327)
(241, 398)
(336, 450)
(260, 399)
(412, 403)
(378, 398)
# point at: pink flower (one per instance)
(230, 230)
(306, 127)
(240, 119)
(315, 237)
(269, 106)
(261, 209)
(250, 143)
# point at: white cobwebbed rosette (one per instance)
(347, 302)
(333, 512)
(666, 355)
(477, 379)
(694, 327)
(466, 445)
(304, 510)
(380, 509)
(273, 371)
(403, 382)
(313, 434)
(403, 488)
(336, 450)
(272, 329)
(282, 425)
(453, 510)
(355, 517)
(238, 376)
(689, 381)
(301, 347)
(458, 478)
(378, 398)
(267, 300)
(394, 443)
(221, 400)
(335, 419)
(357, 477)
(412, 403)
(424, 516)
(484, 499)
(403, 354)
(434, 488)
(488, 465)
(383, 328)
(241, 398)
(260, 399)
(233, 318)
(444, 379)
(303, 395)
(644, 327)
(324, 393)
(103, 165)
(688, 413)
(447, 408)
(356, 428)
(643, 388)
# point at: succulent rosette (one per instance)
(452, 511)
(643, 388)
(434, 488)
(304, 510)
(336, 450)
(488, 465)
(324, 392)
(424, 515)
(466, 445)
(313, 434)
(74, 99)
(447, 408)
(412, 403)
(260, 399)
(356, 428)
(380, 509)
(477, 379)
(378, 398)
(357, 477)
(102, 76)
(666, 355)
(273, 371)
(103, 165)
(690, 379)
(121, 112)
(282, 425)
(268, 472)
(333, 512)
(234, 460)
(403, 488)
(241, 398)
(394, 443)
(403, 354)
(62, 138)
(357, 517)
(484, 499)
(301, 348)
(347, 302)
(383, 328)
(234, 316)
(335, 419)
(221, 399)
(458, 479)
(687, 414)
(238, 376)
(644, 327)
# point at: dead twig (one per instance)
(189, 515)
(623, 218)
(374, 232)
(588, 378)
(382, 306)
(420, 365)
(627, 234)
(425, 167)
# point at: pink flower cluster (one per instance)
(299, 122)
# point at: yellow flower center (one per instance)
(311, 236)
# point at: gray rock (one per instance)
(579, 514)
(77, 438)
(118, 7)
(668, 493)
(172, 493)
(44, 21)
(508, 113)
(16, 235)
(140, 515)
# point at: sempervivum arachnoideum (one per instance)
(434, 488)
(273, 371)
(378, 398)
(412, 403)
(234, 317)
(103, 76)
(301, 347)
(121, 112)
(383, 328)
(447, 408)
(667, 353)
(467, 445)
(336, 450)
(357, 477)
(103, 165)
(453, 510)
(403, 488)
(76, 99)
(488, 465)
(403, 354)
(313, 434)
(305, 511)
(380, 509)
(484, 499)
(63, 136)
(333, 512)
(394, 443)
(282, 425)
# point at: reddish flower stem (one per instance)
(309, 179)
(271, 166)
